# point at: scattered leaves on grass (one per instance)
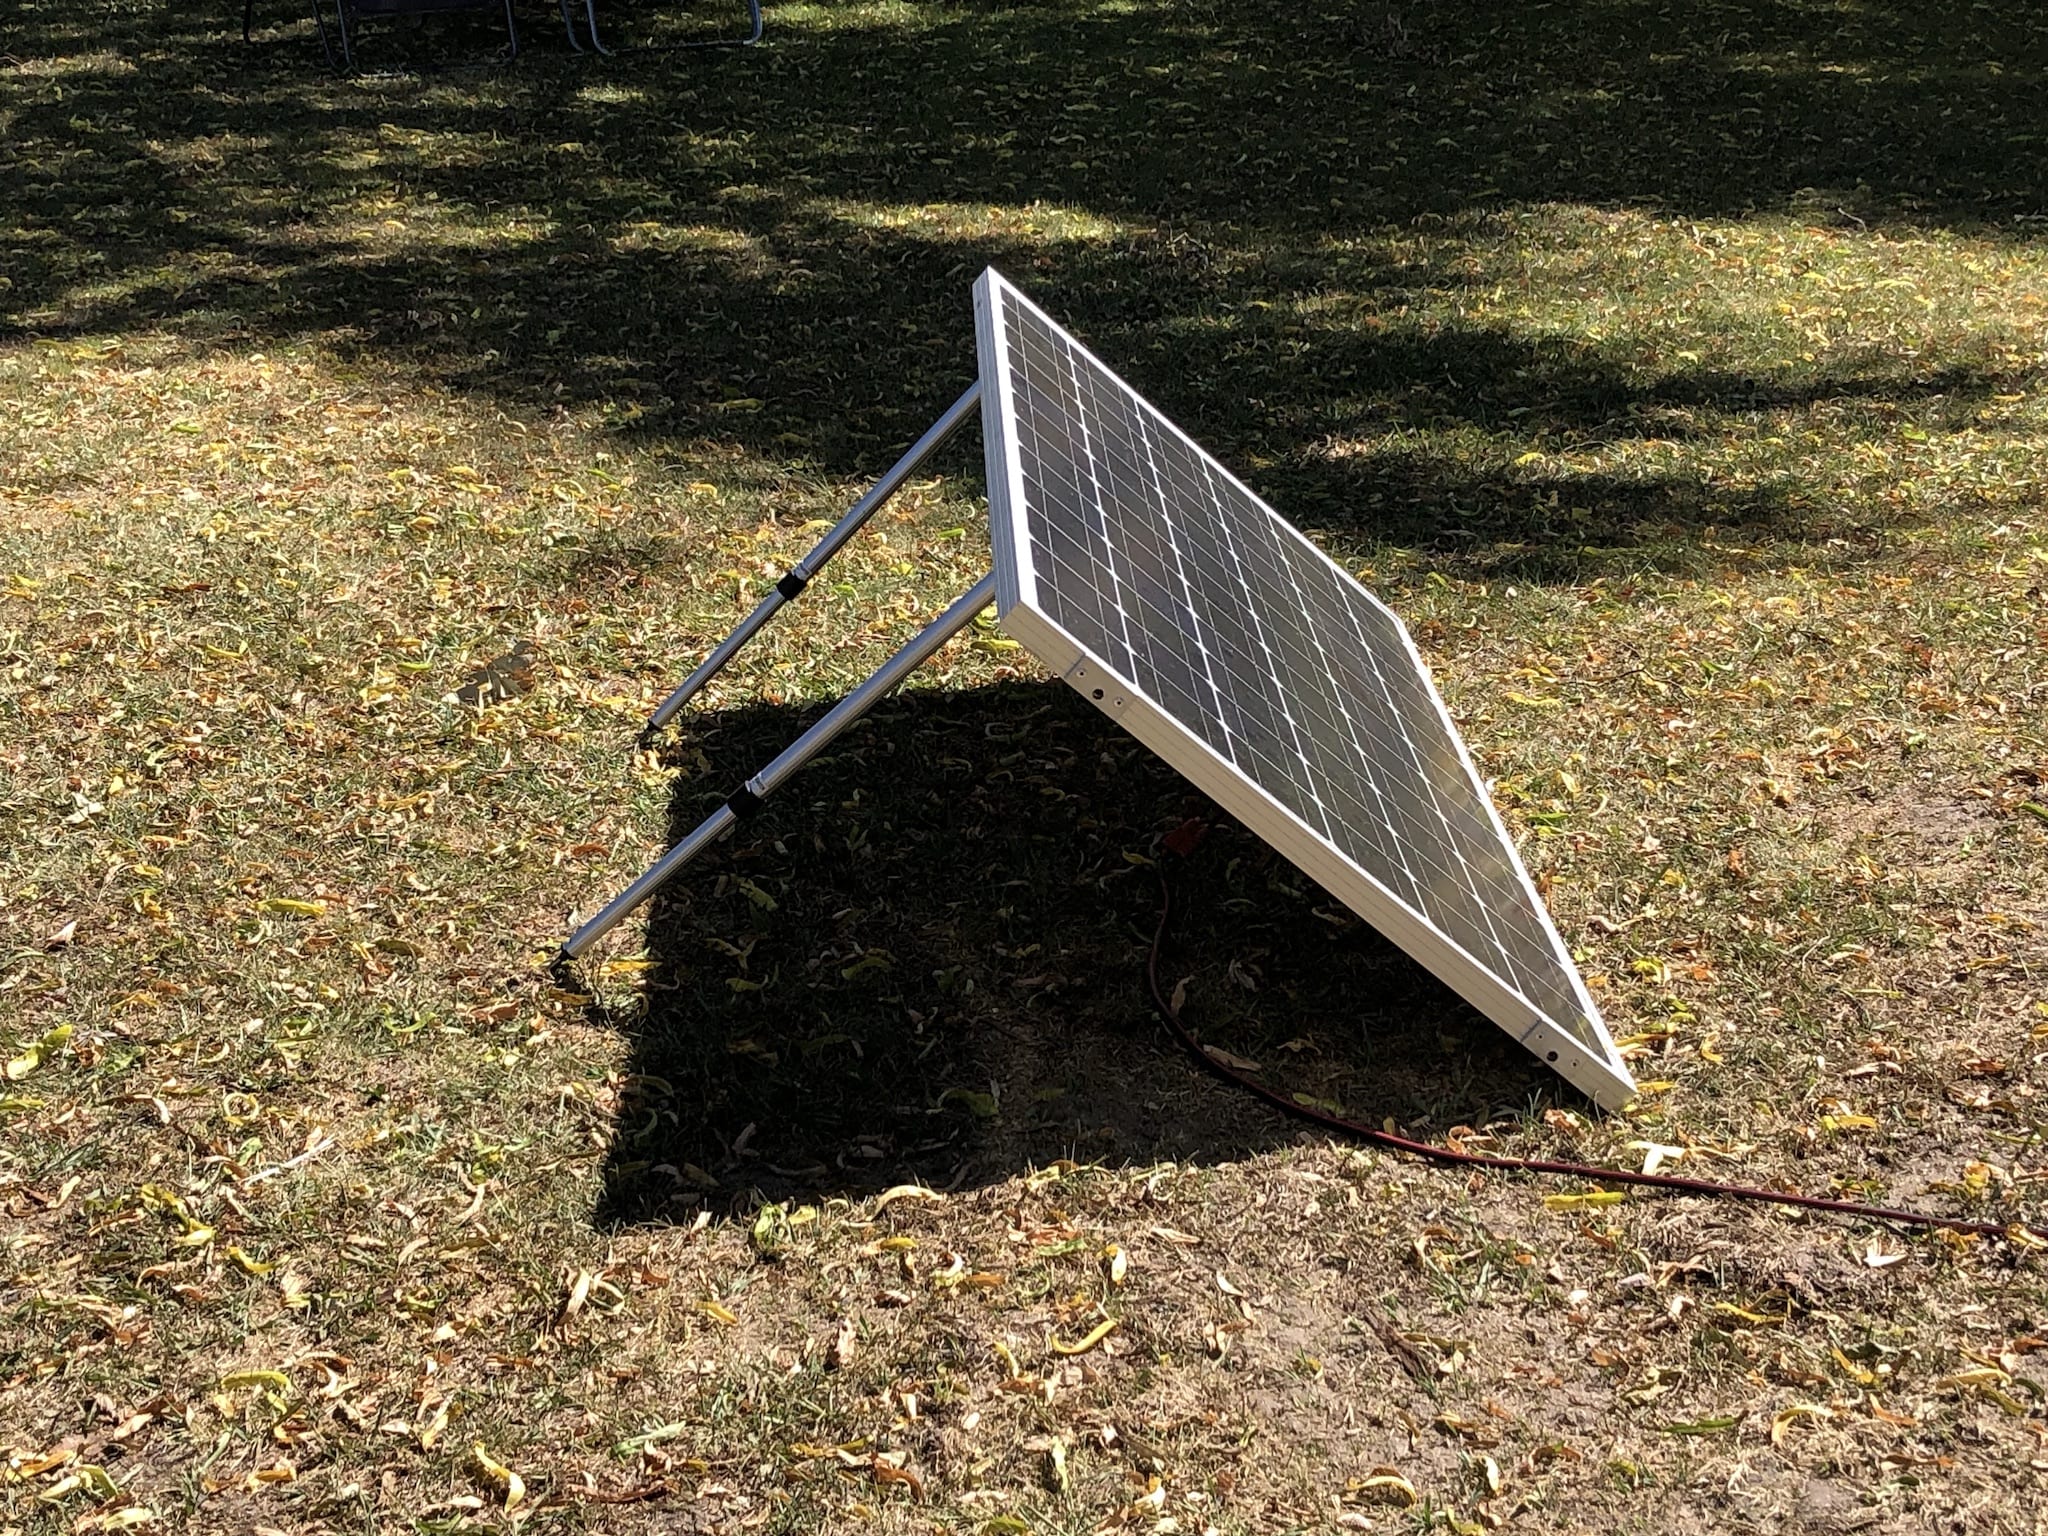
(1711, 498)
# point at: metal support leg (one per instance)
(249, 16)
(344, 10)
(799, 752)
(590, 16)
(590, 22)
(800, 574)
(348, 44)
(569, 26)
(326, 47)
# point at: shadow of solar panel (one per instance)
(1137, 567)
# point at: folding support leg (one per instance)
(800, 574)
(746, 799)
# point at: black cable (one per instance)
(1183, 840)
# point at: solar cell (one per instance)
(1152, 579)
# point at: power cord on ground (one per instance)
(1183, 840)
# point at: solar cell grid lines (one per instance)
(1134, 564)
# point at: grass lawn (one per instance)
(1676, 370)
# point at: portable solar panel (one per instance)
(1154, 581)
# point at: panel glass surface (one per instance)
(1158, 563)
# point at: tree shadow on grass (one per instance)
(768, 253)
(925, 960)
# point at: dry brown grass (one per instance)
(1686, 397)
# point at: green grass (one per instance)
(1676, 372)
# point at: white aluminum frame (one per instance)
(1601, 1075)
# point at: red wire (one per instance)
(1181, 841)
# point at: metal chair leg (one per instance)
(326, 44)
(589, 25)
(755, 27)
(590, 20)
(348, 52)
(348, 47)
(753, 36)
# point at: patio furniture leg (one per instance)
(755, 25)
(326, 44)
(753, 35)
(348, 47)
(590, 18)
(589, 23)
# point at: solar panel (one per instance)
(1153, 580)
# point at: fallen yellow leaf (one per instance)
(1390, 1484)
(1598, 1197)
(1782, 1422)
(1656, 1155)
(889, 1197)
(118, 1520)
(236, 1380)
(1094, 1337)
(36, 1053)
(1114, 1263)
(510, 1482)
